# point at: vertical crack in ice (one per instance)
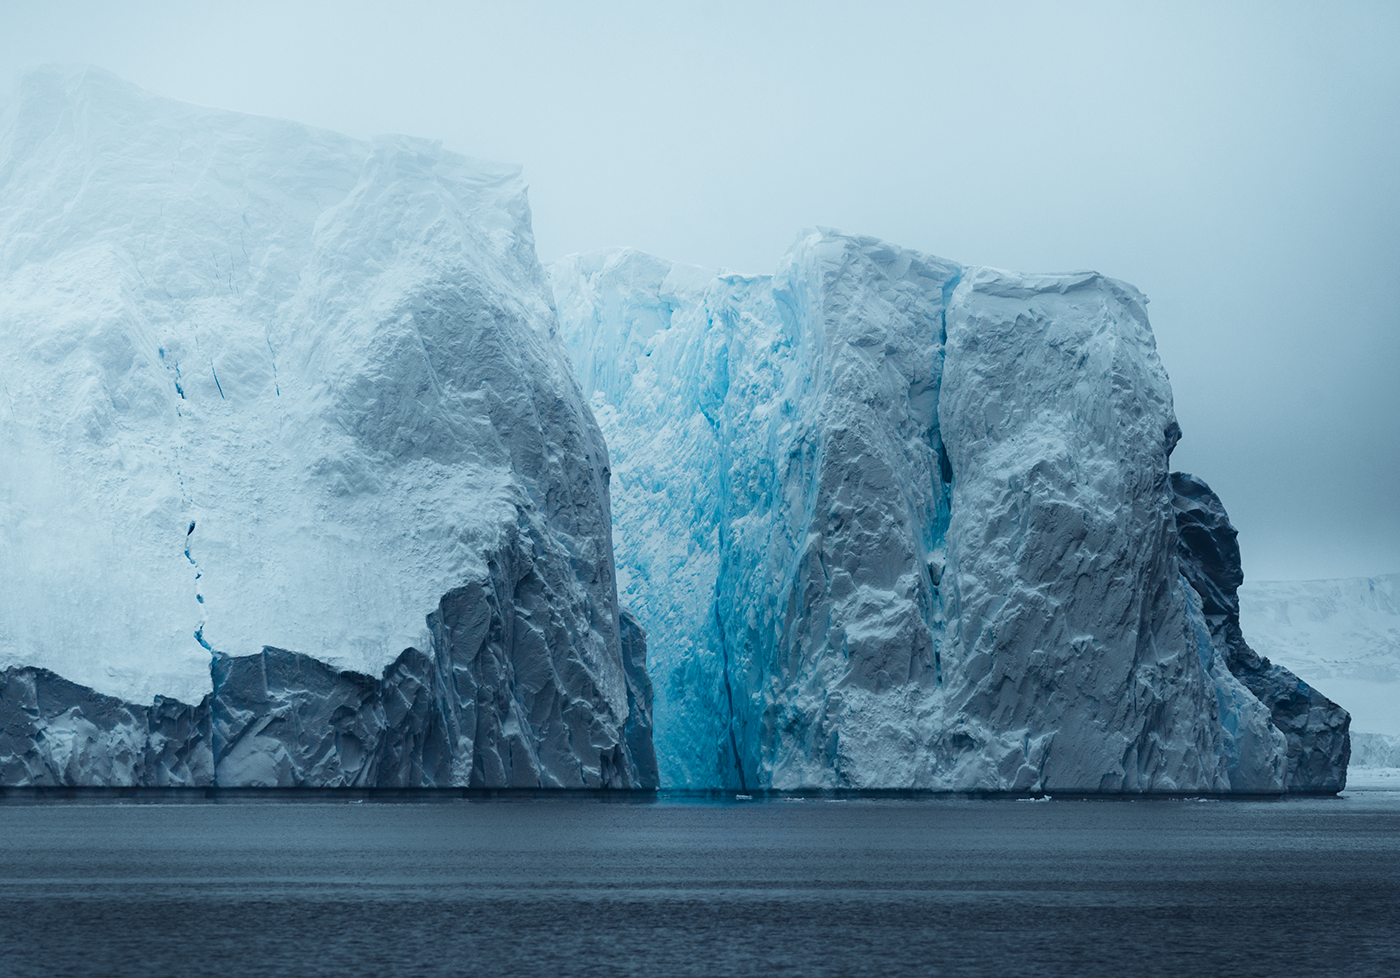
(176, 367)
(943, 492)
(203, 619)
(729, 695)
(213, 655)
(719, 393)
(938, 560)
(215, 741)
(273, 353)
(219, 274)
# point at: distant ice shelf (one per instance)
(1343, 635)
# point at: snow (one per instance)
(1342, 636)
(267, 385)
(890, 521)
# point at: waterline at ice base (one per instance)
(314, 476)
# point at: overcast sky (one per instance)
(1240, 163)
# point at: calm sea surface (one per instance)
(688, 887)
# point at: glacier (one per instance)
(270, 388)
(895, 522)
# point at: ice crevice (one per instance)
(729, 700)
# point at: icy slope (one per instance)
(266, 385)
(1342, 634)
(893, 522)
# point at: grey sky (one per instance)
(1241, 166)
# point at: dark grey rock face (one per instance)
(180, 746)
(282, 719)
(415, 751)
(522, 707)
(1319, 744)
(493, 709)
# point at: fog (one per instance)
(1239, 166)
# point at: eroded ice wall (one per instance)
(1078, 662)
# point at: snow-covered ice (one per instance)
(267, 385)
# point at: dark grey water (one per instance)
(814, 887)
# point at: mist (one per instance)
(1239, 166)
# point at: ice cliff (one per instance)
(280, 719)
(271, 388)
(890, 521)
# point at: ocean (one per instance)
(534, 884)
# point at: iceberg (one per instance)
(267, 387)
(304, 449)
(895, 522)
